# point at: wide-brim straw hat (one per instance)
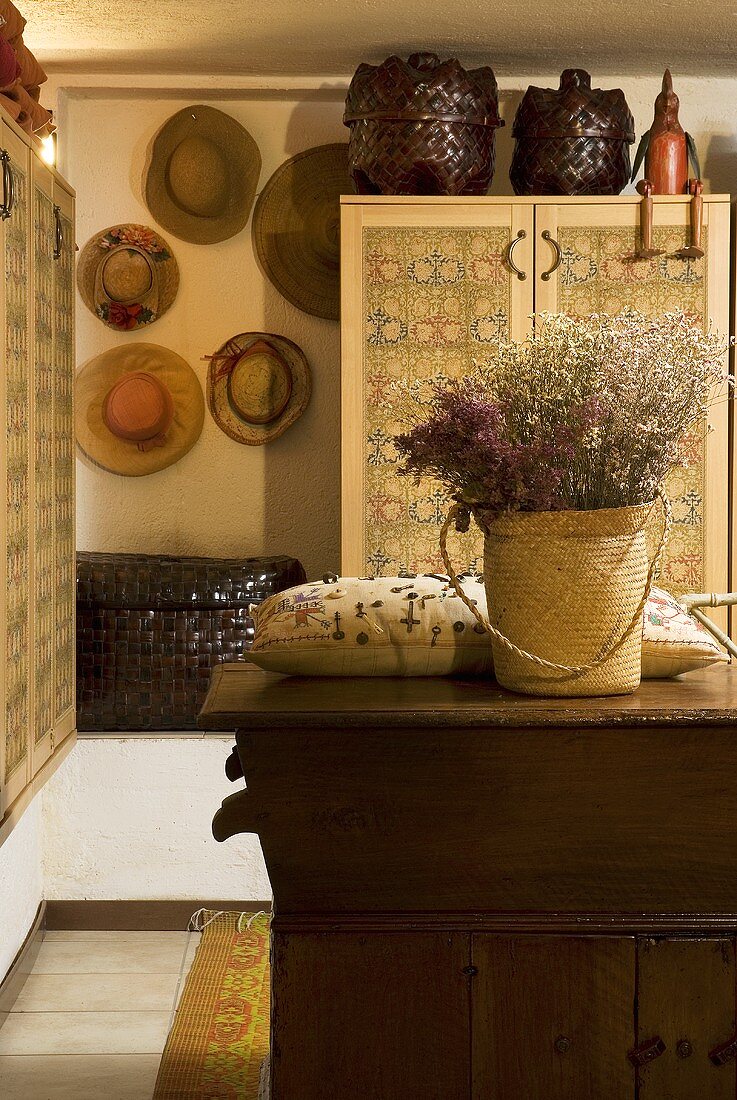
(127, 276)
(142, 427)
(258, 384)
(202, 175)
(296, 228)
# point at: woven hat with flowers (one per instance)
(127, 276)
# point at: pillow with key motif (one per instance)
(388, 626)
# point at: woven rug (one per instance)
(220, 1034)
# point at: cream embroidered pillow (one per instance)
(672, 641)
(390, 626)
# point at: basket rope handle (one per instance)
(453, 514)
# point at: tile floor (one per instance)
(93, 1016)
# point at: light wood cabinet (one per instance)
(431, 284)
(37, 462)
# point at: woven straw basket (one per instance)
(566, 592)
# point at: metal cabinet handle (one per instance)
(58, 233)
(647, 1051)
(8, 186)
(725, 1052)
(510, 253)
(547, 236)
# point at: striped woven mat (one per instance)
(220, 1034)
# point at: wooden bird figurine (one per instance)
(666, 148)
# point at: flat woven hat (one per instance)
(296, 228)
(139, 409)
(258, 384)
(127, 276)
(202, 175)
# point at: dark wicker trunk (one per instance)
(151, 629)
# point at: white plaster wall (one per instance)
(223, 498)
(21, 883)
(130, 818)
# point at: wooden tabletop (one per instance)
(243, 697)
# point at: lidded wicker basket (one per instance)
(573, 140)
(422, 127)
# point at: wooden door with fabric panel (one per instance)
(15, 462)
(686, 998)
(64, 715)
(585, 263)
(428, 285)
(43, 456)
(399, 1003)
(552, 1017)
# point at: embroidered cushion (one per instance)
(673, 642)
(390, 626)
(403, 626)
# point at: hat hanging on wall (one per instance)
(127, 276)
(296, 228)
(258, 384)
(202, 175)
(139, 409)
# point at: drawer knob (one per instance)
(647, 1051)
(684, 1048)
(562, 1044)
(725, 1052)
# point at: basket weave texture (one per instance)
(573, 140)
(151, 629)
(565, 586)
(422, 127)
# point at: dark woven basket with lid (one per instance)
(422, 127)
(573, 140)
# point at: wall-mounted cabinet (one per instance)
(429, 285)
(37, 538)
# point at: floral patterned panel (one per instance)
(434, 299)
(17, 480)
(599, 275)
(64, 472)
(43, 386)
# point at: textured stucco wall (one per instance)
(130, 818)
(21, 883)
(223, 498)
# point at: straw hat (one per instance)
(258, 384)
(296, 228)
(202, 175)
(127, 276)
(139, 408)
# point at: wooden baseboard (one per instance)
(136, 916)
(22, 964)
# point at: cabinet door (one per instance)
(427, 287)
(597, 272)
(686, 997)
(15, 463)
(552, 1018)
(64, 467)
(370, 1017)
(43, 535)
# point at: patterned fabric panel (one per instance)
(434, 299)
(64, 472)
(598, 275)
(43, 387)
(17, 480)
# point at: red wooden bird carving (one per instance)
(666, 148)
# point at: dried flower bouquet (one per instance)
(586, 413)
